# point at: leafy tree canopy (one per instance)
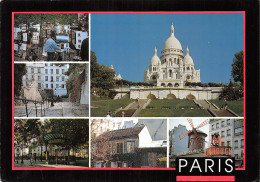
(238, 67)
(40, 18)
(232, 91)
(101, 76)
(19, 72)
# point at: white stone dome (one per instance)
(172, 41)
(188, 59)
(155, 60)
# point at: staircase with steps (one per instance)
(223, 113)
(217, 112)
(135, 108)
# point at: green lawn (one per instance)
(236, 106)
(172, 104)
(174, 113)
(104, 105)
(173, 108)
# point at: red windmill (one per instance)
(194, 130)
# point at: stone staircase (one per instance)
(127, 113)
(223, 113)
(133, 109)
(213, 110)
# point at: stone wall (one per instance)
(164, 93)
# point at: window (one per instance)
(62, 86)
(57, 85)
(222, 123)
(62, 78)
(236, 156)
(39, 77)
(46, 64)
(39, 70)
(222, 133)
(228, 132)
(119, 148)
(57, 71)
(32, 70)
(239, 131)
(32, 77)
(217, 125)
(212, 127)
(46, 71)
(51, 64)
(51, 85)
(222, 144)
(51, 71)
(51, 78)
(228, 122)
(57, 78)
(242, 143)
(130, 146)
(242, 154)
(239, 127)
(39, 85)
(170, 73)
(63, 71)
(188, 68)
(46, 85)
(228, 143)
(236, 144)
(46, 78)
(175, 60)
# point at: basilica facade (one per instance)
(172, 69)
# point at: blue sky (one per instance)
(127, 41)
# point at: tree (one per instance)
(19, 72)
(102, 77)
(66, 18)
(238, 67)
(24, 131)
(73, 72)
(232, 91)
(74, 130)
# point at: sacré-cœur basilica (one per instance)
(170, 72)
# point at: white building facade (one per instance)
(47, 76)
(55, 78)
(34, 73)
(172, 69)
(231, 132)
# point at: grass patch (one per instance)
(174, 113)
(96, 98)
(173, 108)
(172, 104)
(237, 106)
(105, 105)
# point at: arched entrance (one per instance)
(190, 97)
(171, 96)
(151, 96)
(163, 85)
(176, 85)
(170, 85)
